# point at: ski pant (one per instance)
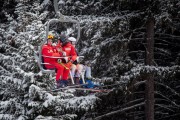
(88, 72)
(76, 70)
(65, 75)
(73, 70)
(59, 71)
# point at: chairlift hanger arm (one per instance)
(67, 19)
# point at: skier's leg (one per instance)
(73, 69)
(59, 73)
(80, 72)
(65, 76)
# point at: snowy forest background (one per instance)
(112, 38)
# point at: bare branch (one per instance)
(167, 87)
(119, 111)
(164, 106)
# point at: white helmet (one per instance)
(72, 39)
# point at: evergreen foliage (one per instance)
(112, 39)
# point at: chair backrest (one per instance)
(41, 64)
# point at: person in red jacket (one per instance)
(48, 52)
(70, 52)
(76, 68)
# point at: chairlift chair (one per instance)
(62, 18)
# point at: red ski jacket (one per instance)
(70, 51)
(48, 50)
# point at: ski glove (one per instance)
(69, 64)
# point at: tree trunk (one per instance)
(149, 106)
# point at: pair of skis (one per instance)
(79, 87)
